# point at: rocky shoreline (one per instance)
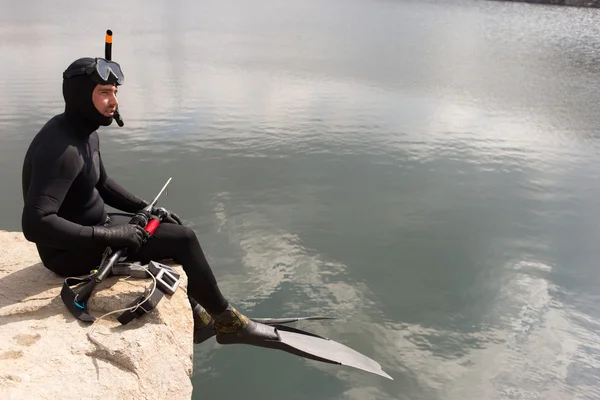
(45, 352)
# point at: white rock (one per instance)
(44, 350)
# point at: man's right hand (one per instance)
(125, 235)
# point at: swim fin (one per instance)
(273, 321)
(204, 329)
(302, 343)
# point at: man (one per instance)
(66, 187)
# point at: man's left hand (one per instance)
(170, 217)
(173, 218)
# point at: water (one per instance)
(427, 171)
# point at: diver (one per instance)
(66, 187)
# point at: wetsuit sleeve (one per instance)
(51, 178)
(115, 195)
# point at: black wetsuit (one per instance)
(66, 188)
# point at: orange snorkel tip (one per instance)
(108, 45)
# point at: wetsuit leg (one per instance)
(77, 262)
(180, 244)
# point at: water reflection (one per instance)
(425, 170)
(528, 349)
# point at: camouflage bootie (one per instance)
(203, 324)
(230, 321)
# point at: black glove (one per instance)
(124, 235)
(173, 218)
(170, 217)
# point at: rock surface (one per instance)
(45, 352)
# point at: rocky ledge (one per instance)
(45, 352)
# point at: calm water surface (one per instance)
(426, 171)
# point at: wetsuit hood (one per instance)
(79, 107)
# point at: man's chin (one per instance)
(106, 121)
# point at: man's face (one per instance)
(105, 99)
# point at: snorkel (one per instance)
(108, 56)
